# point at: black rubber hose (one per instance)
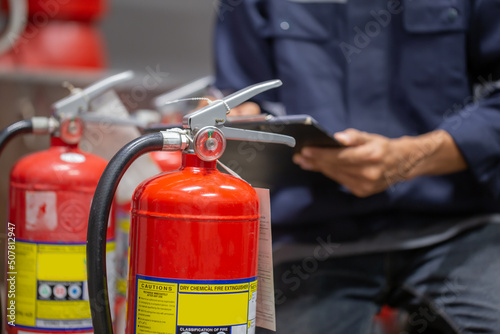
(13, 130)
(98, 222)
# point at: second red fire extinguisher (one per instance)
(194, 232)
(50, 195)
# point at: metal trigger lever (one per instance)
(78, 103)
(215, 115)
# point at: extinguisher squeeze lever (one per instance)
(76, 104)
(215, 115)
(78, 101)
(65, 113)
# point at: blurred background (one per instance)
(166, 42)
(175, 34)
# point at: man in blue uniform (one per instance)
(406, 214)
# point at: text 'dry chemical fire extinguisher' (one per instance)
(50, 197)
(193, 236)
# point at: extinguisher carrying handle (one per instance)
(98, 222)
(215, 115)
(78, 102)
(67, 108)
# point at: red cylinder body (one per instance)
(193, 252)
(167, 160)
(50, 197)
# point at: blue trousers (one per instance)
(451, 287)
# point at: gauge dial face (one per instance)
(209, 143)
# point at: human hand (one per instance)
(371, 163)
(244, 109)
(364, 166)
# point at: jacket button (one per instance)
(284, 25)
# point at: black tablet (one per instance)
(270, 165)
(304, 128)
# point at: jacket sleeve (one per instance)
(476, 128)
(243, 53)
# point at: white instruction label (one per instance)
(41, 212)
(266, 313)
(76, 158)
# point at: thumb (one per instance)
(351, 137)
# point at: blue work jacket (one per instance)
(393, 68)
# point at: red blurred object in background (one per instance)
(167, 160)
(69, 10)
(389, 321)
(77, 10)
(59, 36)
(58, 45)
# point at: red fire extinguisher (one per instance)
(53, 34)
(50, 196)
(194, 232)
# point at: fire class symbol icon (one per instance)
(73, 216)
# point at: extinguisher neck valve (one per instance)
(191, 160)
(44, 125)
(59, 142)
(175, 140)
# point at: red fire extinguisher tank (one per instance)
(193, 257)
(50, 197)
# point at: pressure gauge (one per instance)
(209, 143)
(71, 130)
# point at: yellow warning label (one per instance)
(213, 288)
(50, 258)
(170, 306)
(124, 224)
(110, 246)
(121, 286)
(156, 307)
(253, 288)
(25, 283)
(122, 236)
(213, 309)
(62, 311)
(51, 284)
